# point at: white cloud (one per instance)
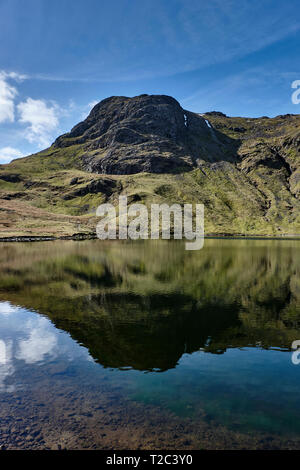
(7, 154)
(42, 119)
(7, 96)
(6, 308)
(18, 77)
(3, 354)
(7, 368)
(41, 341)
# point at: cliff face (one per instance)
(246, 171)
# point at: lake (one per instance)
(144, 345)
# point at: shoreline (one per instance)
(93, 236)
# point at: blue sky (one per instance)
(59, 57)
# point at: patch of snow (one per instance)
(185, 120)
(208, 123)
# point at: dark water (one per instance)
(146, 345)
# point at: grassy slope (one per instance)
(248, 198)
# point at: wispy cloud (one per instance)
(18, 77)
(257, 86)
(41, 118)
(7, 96)
(189, 36)
(8, 93)
(159, 38)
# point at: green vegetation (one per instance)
(251, 187)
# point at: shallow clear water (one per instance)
(146, 345)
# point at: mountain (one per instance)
(144, 134)
(246, 171)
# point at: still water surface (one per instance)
(146, 345)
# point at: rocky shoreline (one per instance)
(33, 238)
(93, 236)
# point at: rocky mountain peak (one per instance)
(151, 133)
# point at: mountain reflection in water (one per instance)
(120, 345)
(143, 305)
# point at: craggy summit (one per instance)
(147, 133)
